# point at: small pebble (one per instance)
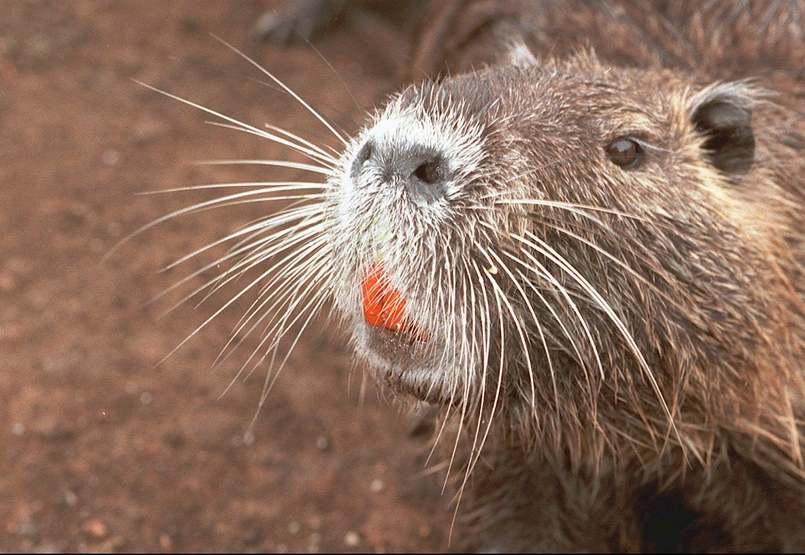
(70, 498)
(95, 529)
(352, 539)
(111, 157)
(322, 443)
(294, 527)
(165, 542)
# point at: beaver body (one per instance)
(588, 246)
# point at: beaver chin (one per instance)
(408, 364)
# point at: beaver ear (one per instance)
(723, 114)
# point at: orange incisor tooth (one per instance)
(383, 305)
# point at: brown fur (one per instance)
(727, 345)
(701, 252)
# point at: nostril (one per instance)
(362, 156)
(427, 177)
(429, 172)
(422, 172)
(365, 152)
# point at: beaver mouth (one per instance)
(384, 308)
(395, 346)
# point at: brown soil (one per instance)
(104, 447)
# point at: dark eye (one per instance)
(626, 153)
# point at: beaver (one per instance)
(589, 252)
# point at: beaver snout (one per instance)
(418, 170)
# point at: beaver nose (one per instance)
(419, 170)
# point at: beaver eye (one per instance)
(626, 153)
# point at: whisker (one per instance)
(540, 270)
(286, 89)
(548, 251)
(274, 332)
(498, 262)
(292, 265)
(334, 155)
(544, 341)
(239, 125)
(269, 383)
(544, 273)
(486, 328)
(314, 152)
(257, 188)
(231, 301)
(261, 226)
(274, 163)
(579, 209)
(227, 200)
(468, 307)
(625, 266)
(500, 298)
(256, 258)
(333, 70)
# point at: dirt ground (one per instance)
(104, 447)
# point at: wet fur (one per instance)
(640, 336)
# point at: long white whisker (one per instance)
(269, 384)
(273, 163)
(277, 332)
(539, 269)
(227, 200)
(274, 333)
(313, 153)
(500, 299)
(261, 253)
(486, 329)
(500, 265)
(333, 154)
(468, 308)
(544, 341)
(292, 266)
(621, 263)
(580, 209)
(257, 187)
(220, 310)
(483, 321)
(286, 89)
(248, 245)
(548, 251)
(241, 126)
